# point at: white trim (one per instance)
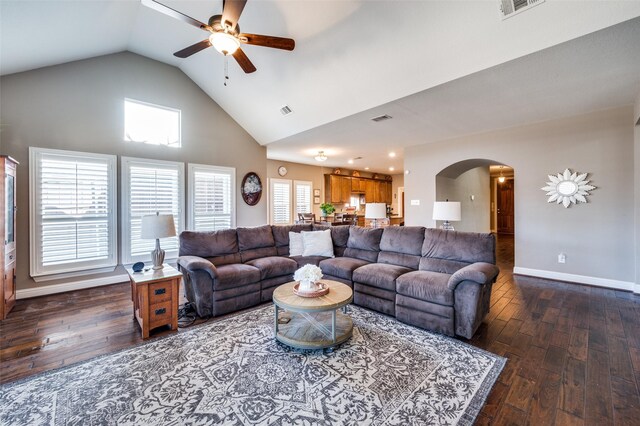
(74, 285)
(191, 169)
(35, 268)
(125, 218)
(578, 279)
(84, 273)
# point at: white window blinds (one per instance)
(280, 200)
(211, 197)
(150, 186)
(72, 211)
(303, 197)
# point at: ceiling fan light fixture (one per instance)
(321, 157)
(224, 43)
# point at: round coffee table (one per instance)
(314, 323)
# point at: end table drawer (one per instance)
(160, 314)
(160, 292)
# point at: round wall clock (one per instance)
(282, 170)
(251, 188)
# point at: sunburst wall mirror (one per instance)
(568, 188)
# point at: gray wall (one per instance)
(475, 215)
(79, 106)
(598, 238)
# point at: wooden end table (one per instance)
(315, 323)
(155, 297)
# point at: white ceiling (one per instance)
(350, 57)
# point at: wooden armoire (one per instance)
(8, 242)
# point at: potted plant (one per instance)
(327, 209)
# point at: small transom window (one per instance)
(152, 124)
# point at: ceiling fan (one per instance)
(225, 33)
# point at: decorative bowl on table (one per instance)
(308, 282)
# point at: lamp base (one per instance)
(157, 256)
(447, 226)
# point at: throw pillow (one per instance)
(296, 247)
(317, 243)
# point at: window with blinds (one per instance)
(211, 198)
(72, 211)
(303, 192)
(150, 186)
(280, 200)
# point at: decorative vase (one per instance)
(307, 286)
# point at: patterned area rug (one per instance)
(233, 372)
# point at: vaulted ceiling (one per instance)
(440, 68)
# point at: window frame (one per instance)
(36, 269)
(294, 207)
(151, 105)
(273, 181)
(192, 168)
(125, 219)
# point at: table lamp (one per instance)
(155, 227)
(447, 211)
(375, 211)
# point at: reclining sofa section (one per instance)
(434, 279)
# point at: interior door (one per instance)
(505, 214)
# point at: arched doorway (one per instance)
(485, 189)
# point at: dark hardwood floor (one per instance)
(574, 351)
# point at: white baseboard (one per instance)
(579, 279)
(74, 285)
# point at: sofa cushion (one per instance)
(236, 275)
(296, 244)
(339, 235)
(469, 247)
(256, 237)
(363, 243)
(317, 243)
(426, 285)
(379, 275)
(274, 266)
(402, 239)
(308, 260)
(219, 247)
(341, 267)
(281, 236)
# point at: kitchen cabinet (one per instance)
(337, 189)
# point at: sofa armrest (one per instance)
(479, 272)
(194, 263)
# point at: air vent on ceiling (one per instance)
(508, 8)
(286, 110)
(381, 118)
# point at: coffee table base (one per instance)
(314, 330)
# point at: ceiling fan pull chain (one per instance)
(226, 69)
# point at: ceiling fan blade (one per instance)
(243, 61)
(268, 41)
(194, 48)
(231, 10)
(159, 7)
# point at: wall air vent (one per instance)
(286, 110)
(509, 8)
(381, 118)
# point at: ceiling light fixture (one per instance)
(501, 179)
(392, 154)
(391, 169)
(350, 161)
(366, 168)
(224, 43)
(321, 157)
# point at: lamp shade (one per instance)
(446, 210)
(375, 211)
(157, 226)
